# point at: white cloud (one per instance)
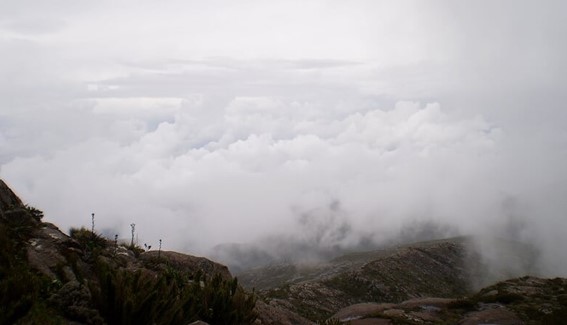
(246, 188)
(220, 122)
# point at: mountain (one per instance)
(390, 275)
(431, 282)
(440, 268)
(48, 277)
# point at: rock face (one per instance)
(7, 197)
(48, 277)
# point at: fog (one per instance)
(290, 129)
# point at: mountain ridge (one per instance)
(48, 277)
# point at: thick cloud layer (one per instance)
(326, 124)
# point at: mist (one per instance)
(287, 131)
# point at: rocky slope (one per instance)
(448, 268)
(316, 292)
(47, 277)
(525, 300)
(399, 286)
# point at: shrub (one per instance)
(34, 212)
(171, 297)
(91, 243)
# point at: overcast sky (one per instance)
(207, 122)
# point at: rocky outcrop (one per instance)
(8, 199)
(187, 263)
(87, 279)
(526, 300)
(270, 314)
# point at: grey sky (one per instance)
(227, 121)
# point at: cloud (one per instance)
(251, 174)
(325, 123)
(35, 27)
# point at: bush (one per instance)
(91, 243)
(87, 239)
(34, 212)
(20, 222)
(171, 297)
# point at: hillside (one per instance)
(47, 277)
(520, 301)
(393, 275)
(440, 268)
(422, 283)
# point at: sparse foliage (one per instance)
(35, 213)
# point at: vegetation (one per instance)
(87, 239)
(109, 287)
(35, 213)
(158, 295)
(22, 290)
(91, 243)
(172, 297)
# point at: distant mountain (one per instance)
(317, 291)
(449, 268)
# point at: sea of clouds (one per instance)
(334, 126)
